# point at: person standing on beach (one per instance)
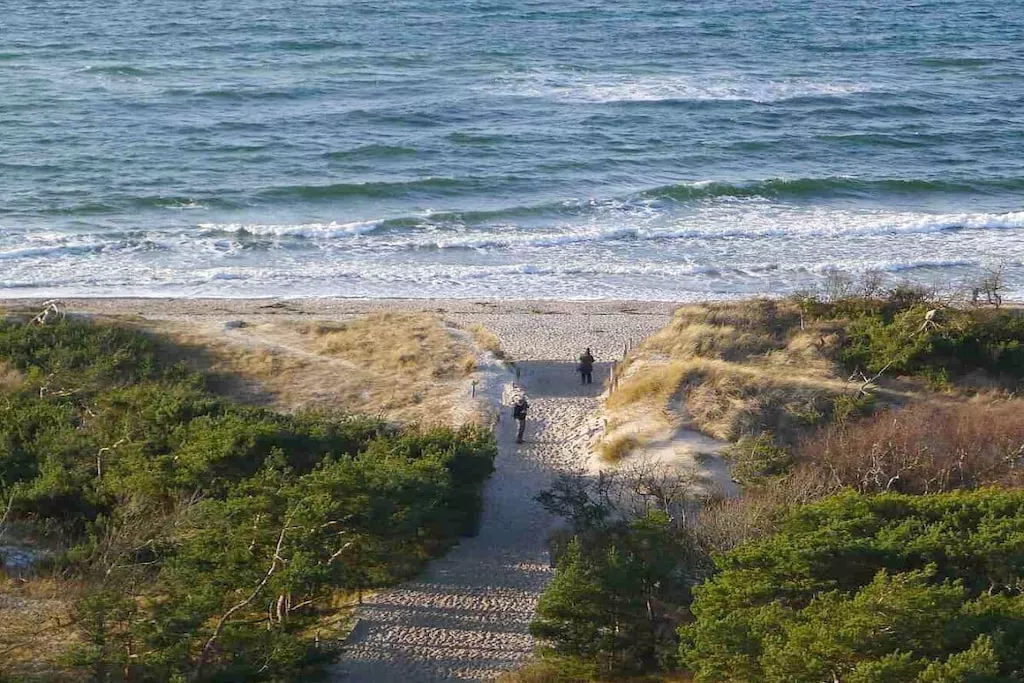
(519, 409)
(586, 367)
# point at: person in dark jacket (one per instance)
(519, 409)
(586, 367)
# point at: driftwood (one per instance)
(53, 309)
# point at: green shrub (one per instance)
(210, 534)
(606, 612)
(952, 344)
(753, 459)
(916, 587)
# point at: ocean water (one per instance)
(486, 148)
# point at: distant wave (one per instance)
(446, 188)
(876, 226)
(922, 265)
(432, 186)
(683, 269)
(796, 188)
(116, 205)
(116, 70)
(164, 202)
(55, 250)
(478, 231)
(970, 62)
(612, 88)
(313, 45)
(372, 152)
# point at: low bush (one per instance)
(939, 344)
(753, 459)
(623, 579)
(609, 609)
(922, 448)
(889, 587)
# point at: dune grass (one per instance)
(487, 340)
(731, 371)
(36, 629)
(406, 367)
(398, 346)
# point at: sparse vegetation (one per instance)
(617, 447)
(736, 370)
(413, 347)
(488, 341)
(921, 449)
(878, 534)
(197, 538)
(731, 371)
(407, 368)
(755, 458)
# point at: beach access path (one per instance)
(467, 616)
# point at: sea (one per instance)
(572, 149)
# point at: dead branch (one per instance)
(52, 309)
(7, 513)
(275, 562)
(867, 382)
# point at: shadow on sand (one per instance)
(557, 379)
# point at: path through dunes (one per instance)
(466, 617)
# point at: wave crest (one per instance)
(616, 88)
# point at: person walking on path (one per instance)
(519, 409)
(586, 367)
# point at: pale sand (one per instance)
(466, 617)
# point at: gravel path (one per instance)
(466, 618)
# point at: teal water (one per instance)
(578, 148)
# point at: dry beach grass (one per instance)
(728, 371)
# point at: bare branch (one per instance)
(274, 564)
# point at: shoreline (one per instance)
(176, 308)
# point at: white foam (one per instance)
(508, 238)
(894, 267)
(186, 205)
(230, 275)
(716, 248)
(611, 88)
(731, 219)
(309, 230)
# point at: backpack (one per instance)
(519, 410)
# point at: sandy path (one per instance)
(466, 618)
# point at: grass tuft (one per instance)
(488, 341)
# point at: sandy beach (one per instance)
(466, 617)
(512, 311)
